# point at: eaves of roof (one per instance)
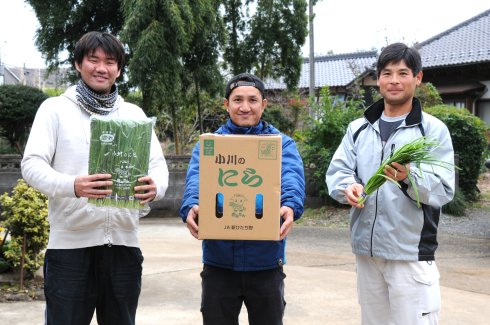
(461, 88)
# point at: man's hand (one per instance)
(91, 186)
(191, 221)
(352, 193)
(147, 192)
(396, 171)
(287, 215)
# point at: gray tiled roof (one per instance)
(468, 42)
(333, 70)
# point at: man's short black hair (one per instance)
(108, 43)
(244, 79)
(397, 52)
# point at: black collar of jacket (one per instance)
(373, 112)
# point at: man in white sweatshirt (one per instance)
(93, 260)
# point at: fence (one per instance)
(168, 206)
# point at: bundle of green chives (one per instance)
(121, 148)
(418, 151)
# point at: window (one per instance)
(459, 103)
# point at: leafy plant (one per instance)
(324, 132)
(266, 41)
(457, 207)
(469, 142)
(26, 211)
(6, 149)
(428, 95)
(62, 23)
(4, 265)
(274, 115)
(53, 92)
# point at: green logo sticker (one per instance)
(267, 150)
(208, 147)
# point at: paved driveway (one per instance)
(320, 283)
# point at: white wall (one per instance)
(484, 104)
(484, 111)
(487, 94)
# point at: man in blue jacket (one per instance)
(237, 271)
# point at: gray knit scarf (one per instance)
(95, 103)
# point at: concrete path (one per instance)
(320, 283)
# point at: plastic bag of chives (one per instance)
(418, 151)
(121, 148)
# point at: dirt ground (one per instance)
(464, 241)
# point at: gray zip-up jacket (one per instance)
(391, 225)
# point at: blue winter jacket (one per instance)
(250, 255)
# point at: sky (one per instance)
(345, 26)
(340, 26)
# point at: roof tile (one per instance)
(465, 43)
(468, 42)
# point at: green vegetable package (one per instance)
(121, 148)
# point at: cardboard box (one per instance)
(239, 186)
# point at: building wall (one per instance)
(484, 104)
(484, 110)
(487, 94)
(38, 78)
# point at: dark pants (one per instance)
(79, 281)
(224, 291)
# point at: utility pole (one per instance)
(312, 50)
(2, 79)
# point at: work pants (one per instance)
(224, 291)
(398, 292)
(106, 279)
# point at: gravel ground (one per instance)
(476, 222)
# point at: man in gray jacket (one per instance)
(393, 238)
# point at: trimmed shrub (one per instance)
(469, 142)
(428, 95)
(18, 106)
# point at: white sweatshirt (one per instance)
(57, 152)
